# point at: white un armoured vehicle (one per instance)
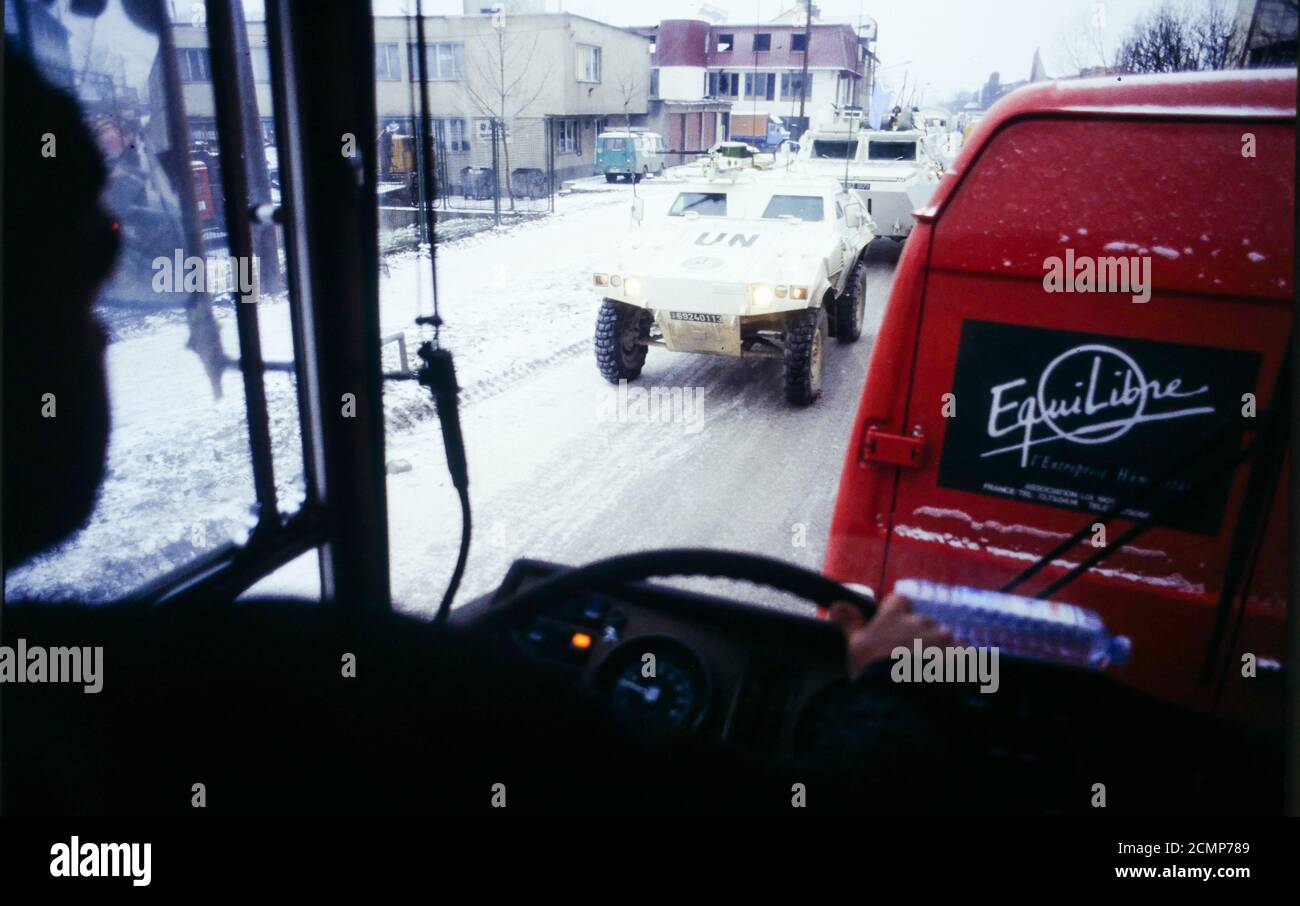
(893, 172)
(744, 264)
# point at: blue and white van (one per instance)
(623, 154)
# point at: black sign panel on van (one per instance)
(1082, 421)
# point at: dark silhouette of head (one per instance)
(59, 246)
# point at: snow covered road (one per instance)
(557, 471)
(554, 476)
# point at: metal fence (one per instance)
(492, 170)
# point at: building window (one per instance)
(388, 63)
(653, 43)
(760, 85)
(193, 64)
(725, 43)
(566, 137)
(261, 59)
(762, 43)
(654, 83)
(451, 134)
(793, 84)
(446, 62)
(724, 85)
(848, 90)
(203, 130)
(588, 63)
(798, 42)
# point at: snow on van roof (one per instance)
(1180, 78)
(1212, 110)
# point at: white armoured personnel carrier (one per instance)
(893, 173)
(744, 264)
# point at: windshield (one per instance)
(570, 459)
(803, 207)
(834, 149)
(877, 150)
(711, 204)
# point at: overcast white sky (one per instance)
(952, 44)
(947, 44)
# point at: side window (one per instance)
(803, 207)
(179, 481)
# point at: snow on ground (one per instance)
(554, 472)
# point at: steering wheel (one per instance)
(609, 574)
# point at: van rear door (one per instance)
(1037, 403)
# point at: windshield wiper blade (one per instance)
(1269, 445)
(1264, 428)
(1212, 441)
(1141, 525)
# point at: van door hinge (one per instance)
(894, 449)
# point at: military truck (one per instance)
(893, 172)
(743, 264)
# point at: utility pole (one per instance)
(803, 78)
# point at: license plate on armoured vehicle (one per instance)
(695, 316)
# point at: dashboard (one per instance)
(669, 662)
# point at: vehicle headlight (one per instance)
(798, 292)
(761, 294)
(616, 280)
(600, 279)
(632, 286)
(779, 291)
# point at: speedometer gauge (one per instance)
(657, 685)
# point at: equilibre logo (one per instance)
(1090, 394)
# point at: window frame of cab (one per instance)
(332, 271)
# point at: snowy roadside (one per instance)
(178, 479)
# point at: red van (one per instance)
(1073, 390)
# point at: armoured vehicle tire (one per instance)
(611, 177)
(851, 307)
(618, 325)
(805, 346)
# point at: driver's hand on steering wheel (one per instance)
(894, 625)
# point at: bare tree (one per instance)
(1081, 44)
(506, 82)
(1177, 39)
(629, 88)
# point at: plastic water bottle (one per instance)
(1019, 626)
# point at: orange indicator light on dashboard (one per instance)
(580, 640)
